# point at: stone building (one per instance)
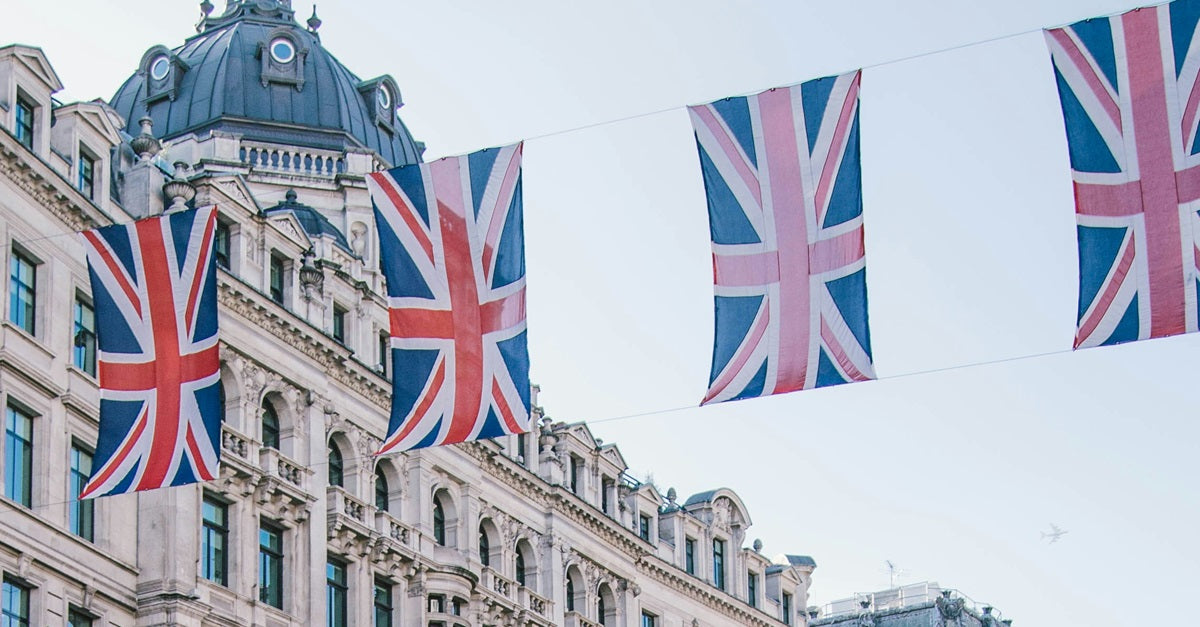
(303, 526)
(914, 605)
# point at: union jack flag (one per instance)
(154, 283)
(1130, 92)
(781, 170)
(452, 247)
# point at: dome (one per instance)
(255, 72)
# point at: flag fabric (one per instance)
(154, 287)
(1130, 92)
(782, 175)
(452, 248)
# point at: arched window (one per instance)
(520, 568)
(575, 586)
(600, 610)
(606, 606)
(439, 522)
(381, 490)
(336, 469)
(270, 426)
(570, 594)
(485, 547)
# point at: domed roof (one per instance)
(254, 71)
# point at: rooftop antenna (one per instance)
(893, 572)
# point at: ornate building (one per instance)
(304, 526)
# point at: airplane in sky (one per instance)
(1054, 534)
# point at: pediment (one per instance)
(289, 227)
(34, 60)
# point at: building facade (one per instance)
(304, 526)
(914, 605)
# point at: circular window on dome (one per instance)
(282, 50)
(384, 98)
(159, 67)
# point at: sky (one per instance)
(984, 427)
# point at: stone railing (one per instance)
(276, 464)
(575, 619)
(292, 160)
(498, 584)
(341, 502)
(538, 604)
(389, 527)
(235, 443)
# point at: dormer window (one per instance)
(384, 97)
(160, 67)
(282, 58)
(163, 71)
(24, 123)
(283, 50)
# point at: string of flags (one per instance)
(782, 177)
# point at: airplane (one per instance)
(1054, 534)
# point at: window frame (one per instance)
(439, 522)
(85, 177)
(718, 569)
(83, 351)
(786, 607)
(19, 617)
(277, 278)
(649, 619)
(24, 121)
(336, 613)
(338, 328)
(223, 244)
(644, 526)
(382, 496)
(752, 588)
(383, 604)
(81, 515)
(689, 555)
(337, 466)
(77, 617)
(270, 433)
(20, 494)
(214, 570)
(270, 564)
(19, 258)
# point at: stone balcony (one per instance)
(575, 619)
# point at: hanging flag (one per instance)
(154, 283)
(781, 170)
(452, 248)
(1130, 89)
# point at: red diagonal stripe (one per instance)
(405, 212)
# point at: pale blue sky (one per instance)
(971, 258)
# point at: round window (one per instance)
(159, 67)
(282, 50)
(384, 97)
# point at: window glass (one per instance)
(14, 604)
(383, 604)
(752, 589)
(689, 556)
(644, 527)
(270, 426)
(84, 354)
(85, 180)
(648, 619)
(221, 244)
(335, 593)
(76, 618)
(439, 522)
(270, 565)
(787, 609)
(485, 547)
(719, 563)
(381, 490)
(276, 287)
(160, 67)
(18, 456)
(282, 50)
(520, 568)
(214, 541)
(339, 324)
(82, 514)
(24, 126)
(336, 471)
(22, 291)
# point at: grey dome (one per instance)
(228, 78)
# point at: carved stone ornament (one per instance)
(950, 610)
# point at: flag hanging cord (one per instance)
(657, 412)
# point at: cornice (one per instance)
(333, 359)
(687, 585)
(47, 187)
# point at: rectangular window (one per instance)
(437, 604)
(76, 618)
(575, 463)
(24, 126)
(649, 620)
(752, 589)
(606, 486)
(335, 593)
(339, 324)
(270, 565)
(214, 541)
(82, 515)
(277, 279)
(644, 527)
(14, 604)
(689, 556)
(84, 355)
(787, 609)
(221, 244)
(719, 563)
(18, 456)
(22, 291)
(385, 343)
(383, 604)
(85, 180)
